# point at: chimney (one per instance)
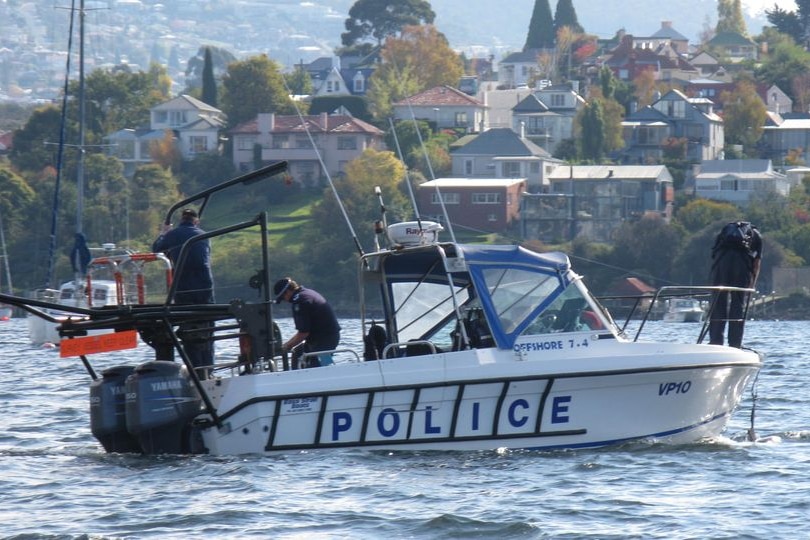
(666, 24)
(325, 121)
(265, 122)
(522, 129)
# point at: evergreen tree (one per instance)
(209, 84)
(541, 27)
(565, 15)
(593, 131)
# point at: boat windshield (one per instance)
(569, 312)
(422, 306)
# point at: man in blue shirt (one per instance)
(195, 282)
(315, 322)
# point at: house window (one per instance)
(448, 198)
(306, 171)
(197, 144)
(558, 100)
(125, 149)
(281, 141)
(328, 86)
(177, 118)
(347, 143)
(302, 142)
(145, 145)
(511, 169)
(359, 85)
(468, 167)
(728, 185)
(461, 119)
(245, 143)
(486, 198)
(492, 217)
(160, 117)
(534, 168)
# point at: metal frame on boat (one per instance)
(467, 347)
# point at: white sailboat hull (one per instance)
(484, 399)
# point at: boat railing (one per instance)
(409, 348)
(647, 305)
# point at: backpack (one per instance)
(735, 235)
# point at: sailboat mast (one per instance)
(6, 268)
(80, 164)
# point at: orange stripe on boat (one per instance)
(115, 341)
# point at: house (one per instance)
(329, 78)
(192, 124)
(519, 69)
(733, 47)
(786, 134)
(444, 107)
(592, 201)
(667, 35)
(547, 115)
(490, 204)
(500, 104)
(673, 116)
(338, 138)
(631, 58)
(502, 153)
(772, 96)
(737, 180)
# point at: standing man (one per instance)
(195, 282)
(315, 322)
(736, 259)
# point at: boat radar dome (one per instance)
(414, 233)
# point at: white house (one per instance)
(737, 180)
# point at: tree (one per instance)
(382, 18)
(730, 17)
(30, 151)
(329, 241)
(784, 63)
(120, 99)
(566, 16)
(298, 81)
(744, 115)
(647, 247)
(796, 24)
(153, 190)
(220, 60)
(106, 198)
(541, 27)
(420, 59)
(209, 84)
(698, 214)
(592, 131)
(165, 152)
(252, 86)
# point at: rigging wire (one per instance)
(325, 171)
(407, 176)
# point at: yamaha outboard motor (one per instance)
(161, 402)
(108, 411)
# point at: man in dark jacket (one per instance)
(736, 258)
(315, 322)
(195, 283)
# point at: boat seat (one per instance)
(374, 342)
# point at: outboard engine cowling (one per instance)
(160, 403)
(108, 421)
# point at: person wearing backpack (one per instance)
(736, 258)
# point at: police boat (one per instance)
(467, 347)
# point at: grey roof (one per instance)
(530, 105)
(715, 166)
(669, 32)
(597, 172)
(501, 142)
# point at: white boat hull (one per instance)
(431, 403)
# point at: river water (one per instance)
(56, 482)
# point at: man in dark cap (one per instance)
(195, 282)
(315, 322)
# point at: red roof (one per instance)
(314, 123)
(440, 95)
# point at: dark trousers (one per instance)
(728, 306)
(198, 344)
